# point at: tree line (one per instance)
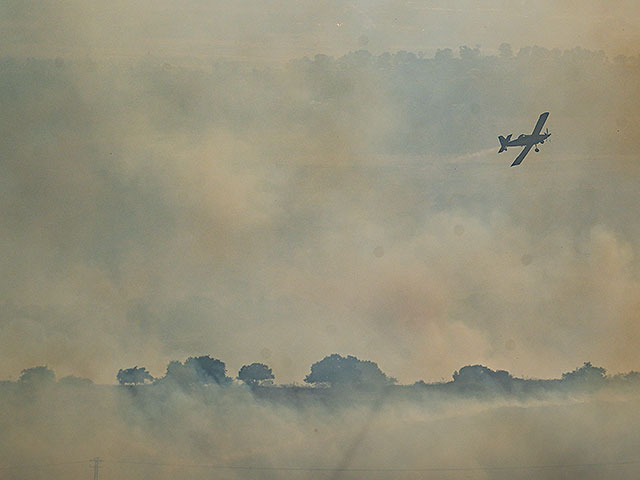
(337, 371)
(332, 370)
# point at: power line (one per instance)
(95, 463)
(381, 469)
(40, 465)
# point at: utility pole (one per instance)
(96, 467)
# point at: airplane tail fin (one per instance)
(503, 142)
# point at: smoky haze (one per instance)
(483, 424)
(352, 204)
(283, 29)
(276, 182)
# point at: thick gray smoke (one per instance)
(356, 204)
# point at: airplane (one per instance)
(526, 141)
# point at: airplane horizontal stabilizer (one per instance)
(503, 142)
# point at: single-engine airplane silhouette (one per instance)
(526, 141)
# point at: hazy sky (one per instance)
(281, 29)
(134, 232)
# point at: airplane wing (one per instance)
(538, 128)
(524, 151)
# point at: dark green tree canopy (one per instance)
(481, 376)
(338, 370)
(134, 376)
(37, 376)
(255, 373)
(208, 370)
(478, 374)
(587, 373)
(203, 370)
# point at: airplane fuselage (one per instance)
(524, 140)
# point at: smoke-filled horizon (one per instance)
(334, 369)
(484, 424)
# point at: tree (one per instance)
(586, 374)
(178, 373)
(208, 370)
(37, 376)
(255, 374)
(524, 52)
(338, 370)
(481, 376)
(505, 50)
(468, 53)
(134, 376)
(444, 54)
